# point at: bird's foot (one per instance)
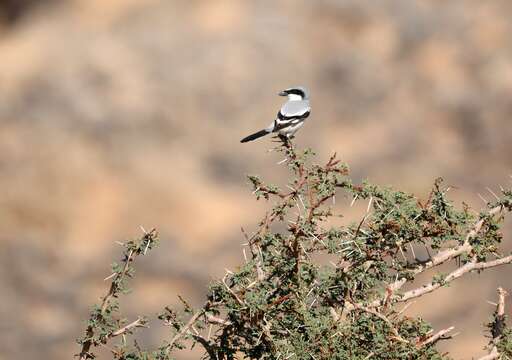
(283, 141)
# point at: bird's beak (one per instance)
(283, 93)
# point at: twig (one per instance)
(240, 301)
(406, 306)
(491, 356)
(140, 322)
(255, 255)
(440, 335)
(442, 257)
(216, 320)
(471, 266)
(497, 326)
(210, 349)
(383, 318)
(86, 346)
(183, 330)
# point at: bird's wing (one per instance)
(294, 109)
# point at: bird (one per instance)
(290, 117)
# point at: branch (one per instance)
(497, 326)
(471, 266)
(440, 335)
(439, 259)
(133, 249)
(491, 356)
(210, 349)
(240, 301)
(86, 346)
(255, 255)
(216, 320)
(184, 329)
(383, 318)
(140, 322)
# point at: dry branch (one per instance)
(497, 326)
(137, 323)
(441, 258)
(440, 335)
(471, 266)
(86, 346)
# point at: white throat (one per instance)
(294, 97)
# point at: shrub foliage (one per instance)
(309, 289)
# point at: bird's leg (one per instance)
(284, 139)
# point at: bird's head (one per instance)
(295, 93)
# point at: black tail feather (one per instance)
(254, 136)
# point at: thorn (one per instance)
(109, 277)
(282, 161)
(413, 253)
(354, 200)
(302, 202)
(209, 332)
(377, 203)
(313, 303)
(147, 246)
(492, 193)
(483, 199)
(143, 230)
(369, 204)
(406, 307)
(298, 207)
(403, 255)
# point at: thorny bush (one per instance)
(310, 290)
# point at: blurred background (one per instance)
(116, 114)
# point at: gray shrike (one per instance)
(291, 116)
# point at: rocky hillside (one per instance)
(121, 113)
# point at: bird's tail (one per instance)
(255, 135)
